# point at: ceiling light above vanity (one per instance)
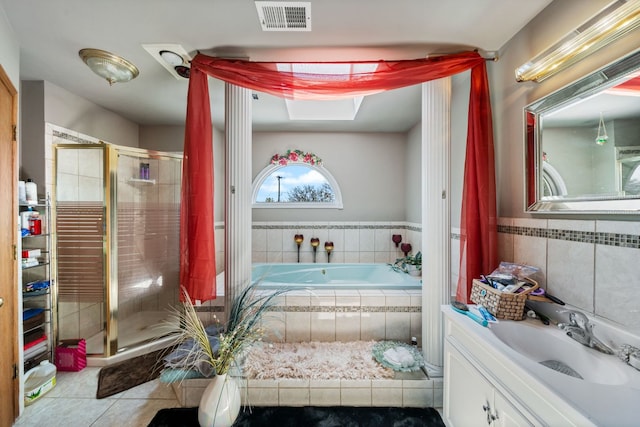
(610, 24)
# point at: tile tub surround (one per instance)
(354, 242)
(345, 315)
(590, 264)
(406, 390)
(337, 315)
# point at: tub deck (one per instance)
(407, 389)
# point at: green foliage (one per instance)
(407, 263)
(310, 193)
(241, 330)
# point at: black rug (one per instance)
(310, 416)
(129, 373)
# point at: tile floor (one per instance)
(72, 403)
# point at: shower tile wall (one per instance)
(354, 242)
(592, 265)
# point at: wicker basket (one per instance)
(503, 305)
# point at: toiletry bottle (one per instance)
(31, 190)
(35, 224)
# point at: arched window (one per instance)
(552, 181)
(296, 180)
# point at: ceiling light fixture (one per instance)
(171, 58)
(611, 23)
(109, 66)
(183, 71)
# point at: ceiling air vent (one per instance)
(284, 16)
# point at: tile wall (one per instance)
(592, 265)
(354, 242)
(400, 392)
(346, 315)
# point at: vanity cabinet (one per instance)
(471, 400)
(485, 385)
(37, 284)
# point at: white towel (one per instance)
(399, 356)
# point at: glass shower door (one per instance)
(148, 224)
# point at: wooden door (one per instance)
(8, 263)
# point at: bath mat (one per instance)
(310, 416)
(129, 373)
(315, 360)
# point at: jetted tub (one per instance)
(332, 276)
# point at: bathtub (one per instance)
(332, 276)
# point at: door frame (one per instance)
(8, 198)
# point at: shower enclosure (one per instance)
(117, 231)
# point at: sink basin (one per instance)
(551, 345)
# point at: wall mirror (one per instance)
(582, 152)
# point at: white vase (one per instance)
(413, 270)
(220, 403)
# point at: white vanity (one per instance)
(493, 376)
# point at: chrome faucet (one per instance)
(580, 329)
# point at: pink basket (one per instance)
(71, 355)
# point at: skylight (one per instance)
(334, 109)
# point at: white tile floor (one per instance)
(72, 403)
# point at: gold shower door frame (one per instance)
(110, 155)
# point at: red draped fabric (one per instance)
(478, 220)
(197, 250)
(530, 159)
(197, 240)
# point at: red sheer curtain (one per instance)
(197, 255)
(478, 222)
(197, 240)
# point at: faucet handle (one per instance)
(578, 318)
(630, 355)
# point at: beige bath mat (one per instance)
(315, 360)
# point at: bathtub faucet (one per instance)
(580, 329)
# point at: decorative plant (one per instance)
(408, 263)
(214, 350)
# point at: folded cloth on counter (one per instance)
(31, 312)
(37, 286)
(35, 342)
(29, 262)
(399, 356)
(35, 350)
(32, 336)
(33, 322)
(189, 354)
